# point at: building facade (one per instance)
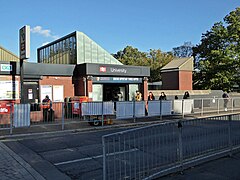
(74, 65)
(75, 48)
(177, 74)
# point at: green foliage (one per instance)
(184, 50)
(155, 59)
(218, 55)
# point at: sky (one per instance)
(113, 24)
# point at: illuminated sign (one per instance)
(6, 67)
(112, 70)
(102, 69)
(118, 70)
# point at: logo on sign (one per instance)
(3, 110)
(6, 67)
(102, 69)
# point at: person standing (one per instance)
(186, 95)
(225, 97)
(46, 105)
(163, 96)
(151, 97)
(138, 96)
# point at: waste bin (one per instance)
(76, 104)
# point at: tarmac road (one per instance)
(72, 156)
(79, 156)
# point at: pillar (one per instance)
(145, 88)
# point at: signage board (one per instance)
(9, 90)
(5, 108)
(117, 80)
(45, 90)
(6, 67)
(24, 42)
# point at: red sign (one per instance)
(102, 69)
(5, 108)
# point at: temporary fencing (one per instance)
(156, 150)
(82, 113)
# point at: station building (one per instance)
(73, 65)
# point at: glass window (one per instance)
(132, 91)
(97, 92)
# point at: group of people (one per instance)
(163, 96)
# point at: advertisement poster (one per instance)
(9, 89)
(46, 90)
(58, 93)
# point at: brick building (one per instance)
(177, 74)
(73, 65)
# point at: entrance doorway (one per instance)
(114, 92)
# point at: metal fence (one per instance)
(156, 150)
(100, 113)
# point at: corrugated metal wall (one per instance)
(6, 55)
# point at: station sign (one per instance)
(117, 80)
(6, 67)
(5, 108)
(24, 42)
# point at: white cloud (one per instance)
(43, 32)
(43, 44)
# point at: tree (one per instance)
(131, 56)
(184, 50)
(218, 55)
(155, 59)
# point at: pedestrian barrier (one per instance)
(21, 116)
(152, 151)
(78, 113)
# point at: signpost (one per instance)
(24, 51)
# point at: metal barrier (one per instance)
(77, 114)
(153, 151)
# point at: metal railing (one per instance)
(77, 115)
(156, 150)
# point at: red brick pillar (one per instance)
(78, 86)
(89, 87)
(145, 88)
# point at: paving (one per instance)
(13, 166)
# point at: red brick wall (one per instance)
(170, 80)
(89, 88)
(185, 80)
(68, 86)
(78, 86)
(145, 90)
